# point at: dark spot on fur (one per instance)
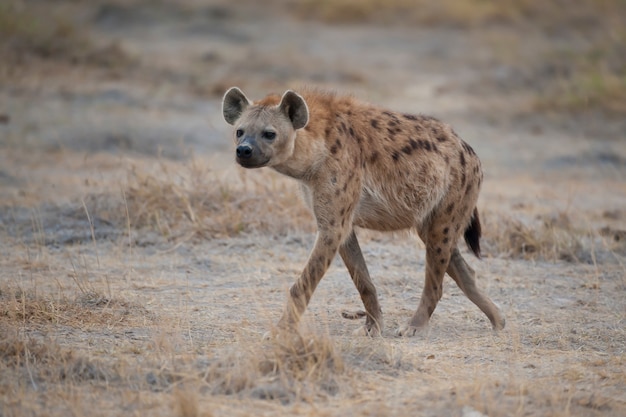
(344, 129)
(446, 230)
(332, 221)
(463, 179)
(413, 143)
(374, 123)
(333, 149)
(445, 240)
(409, 117)
(395, 155)
(388, 113)
(462, 159)
(327, 131)
(407, 150)
(345, 187)
(392, 123)
(441, 138)
(373, 157)
(467, 148)
(338, 143)
(343, 222)
(342, 211)
(438, 251)
(391, 132)
(442, 261)
(329, 241)
(446, 158)
(450, 208)
(337, 192)
(351, 131)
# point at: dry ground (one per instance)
(139, 268)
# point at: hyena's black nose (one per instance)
(244, 151)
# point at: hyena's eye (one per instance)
(239, 133)
(269, 135)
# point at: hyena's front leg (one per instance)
(325, 249)
(333, 202)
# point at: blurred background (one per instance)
(89, 86)
(146, 75)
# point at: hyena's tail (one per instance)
(472, 234)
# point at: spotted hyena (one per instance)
(360, 165)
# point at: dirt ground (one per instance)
(140, 267)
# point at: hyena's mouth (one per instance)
(252, 163)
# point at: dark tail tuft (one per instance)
(472, 234)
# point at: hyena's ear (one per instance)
(294, 106)
(233, 104)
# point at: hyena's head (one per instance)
(265, 131)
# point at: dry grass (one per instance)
(288, 367)
(32, 31)
(81, 311)
(198, 203)
(549, 238)
(591, 85)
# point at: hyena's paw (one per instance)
(498, 324)
(371, 328)
(353, 315)
(368, 331)
(409, 330)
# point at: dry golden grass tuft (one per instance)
(198, 203)
(287, 367)
(84, 310)
(548, 238)
(37, 361)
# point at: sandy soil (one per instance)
(139, 316)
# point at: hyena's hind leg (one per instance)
(464, 276)
(438, 249)
(352, 256)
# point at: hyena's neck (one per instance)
(308, 155)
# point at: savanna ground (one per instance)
(139, 267)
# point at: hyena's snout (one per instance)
(249, 155)
(244, 151)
